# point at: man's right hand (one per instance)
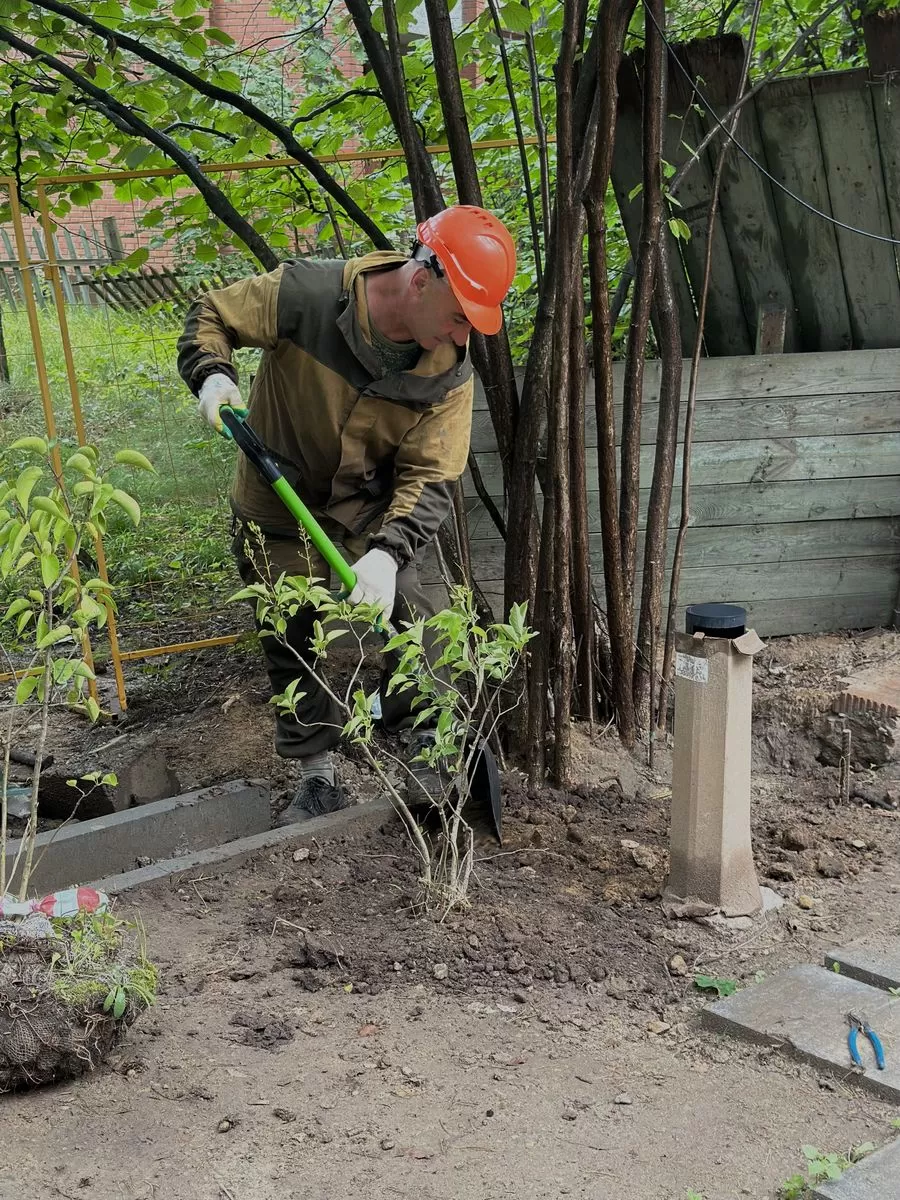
(217, 391)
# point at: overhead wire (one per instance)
(878, 237)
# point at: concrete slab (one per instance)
(875, 965)
(86, 850)
(803, 1010)
(233, 854)
(875, 1178)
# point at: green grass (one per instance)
(178, 560)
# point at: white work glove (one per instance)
(376, 581)
(216, 391)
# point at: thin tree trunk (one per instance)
(540, 129)
(582, 599)
(609, 33)
(668, 332)
(669, 648)
(520, 138)
(4, 357)
(651, 222)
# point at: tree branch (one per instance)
(317, 112)
(234, 100)
(121, 116)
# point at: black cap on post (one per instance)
(716, 620)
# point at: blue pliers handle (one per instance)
(860, 1025)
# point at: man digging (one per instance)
(364, 393)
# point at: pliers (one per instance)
(861, 1025)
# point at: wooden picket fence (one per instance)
(84, 258)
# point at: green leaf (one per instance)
(93, 708)
(50, 569)
(23, 620)
(120, 1004)
(80, 462)
(219, 35)
(36, 445)
(195, 45)
(26, 687)
(134, 458)
(184, 8)
(724, 987)
(680, 229)
(18, 606)
(516, 17)
(54, 636)
(25, 484)
(137, 258)
(128, 504)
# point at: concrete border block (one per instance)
(234, 854)
(803, 1010)
(874, 1178)
(880, 968)
(86, 850)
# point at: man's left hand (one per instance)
(376, 581)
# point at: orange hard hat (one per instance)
(478, 257)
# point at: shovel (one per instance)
(483, 775)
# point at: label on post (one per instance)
(688, 666)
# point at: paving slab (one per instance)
(86, 850)
(876, 965)
(872, 689)
(803, 1010)
(875, 1178)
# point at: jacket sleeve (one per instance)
(243, 314)
(429, 461)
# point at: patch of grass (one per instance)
(91, 967)
(178, 560)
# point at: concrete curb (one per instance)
(233, 854)
(183, 824)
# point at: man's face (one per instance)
(435, 317)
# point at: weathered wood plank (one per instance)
(806, 416)
(758, 461)
(768, 376)
(770, 618)
(850, 149)
(753, 586)
(747, 206)
(749, 583)
(885, 95)
(726, 329)
(627, 171)
(754, 503)
(725, 546)
(794, 155)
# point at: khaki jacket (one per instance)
(358, 446)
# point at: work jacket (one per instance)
(371, 451)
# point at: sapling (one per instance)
(460, 697)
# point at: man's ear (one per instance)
(420, 280)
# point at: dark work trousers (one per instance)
(318, 723)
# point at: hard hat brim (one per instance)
(483, 317)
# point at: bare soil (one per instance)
(315, 1036)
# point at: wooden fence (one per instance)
(795, 489)
(831, 139)
(85, 257)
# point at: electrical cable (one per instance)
(878, 237)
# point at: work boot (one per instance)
(314, 797)
(425, 784)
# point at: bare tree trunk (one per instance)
(582, 598)
(668, 333)
(612, 23)
(520, 138)
(4, 357)
(651, 221)
(669, 648)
